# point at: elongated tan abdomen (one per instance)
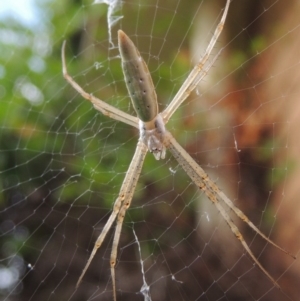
(138, 79)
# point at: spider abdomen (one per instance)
(138, 79)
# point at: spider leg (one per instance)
(121, 205)
(133, 175)
(99, 105)
(198, 72)
(245, 219)
(201, 179)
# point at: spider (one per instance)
(154, 137)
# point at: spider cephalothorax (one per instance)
(154, 137)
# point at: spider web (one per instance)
(62, 162)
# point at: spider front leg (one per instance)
(121, 205)
(215, 195)
(131, 178)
